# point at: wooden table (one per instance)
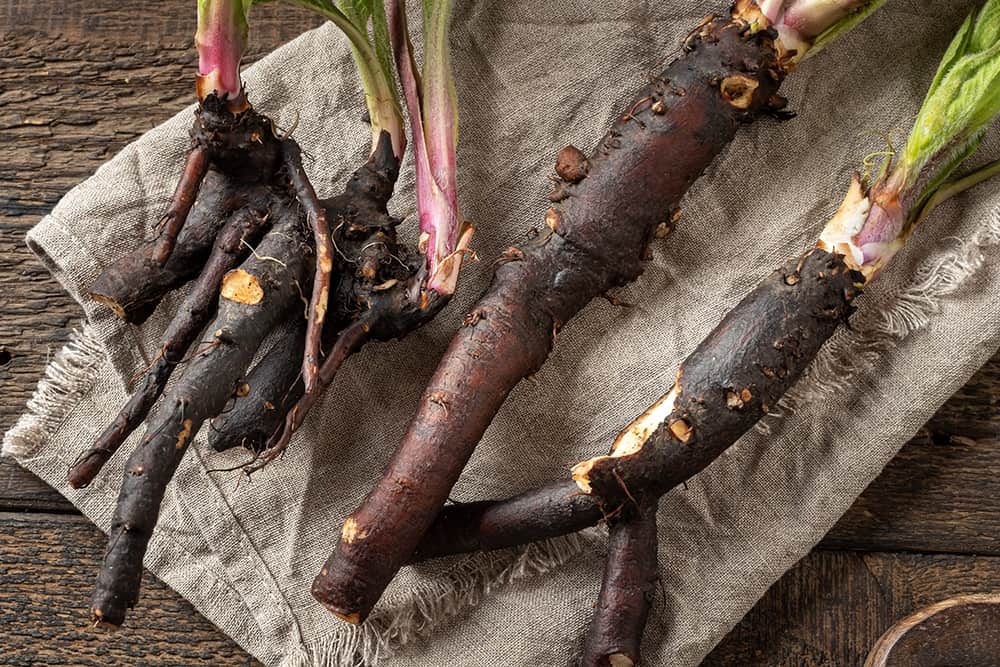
(80, 80)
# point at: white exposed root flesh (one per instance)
(632, 439)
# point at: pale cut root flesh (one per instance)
(633, 438)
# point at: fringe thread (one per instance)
(67, 379)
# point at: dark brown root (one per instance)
(232, 157)
(727, 385)
(377, 294)
(531, 516)
(601, 229)
(627, 592)
(320, 299)
(244, 229)
(350, 341)
(273, 386)
(133, 285)
(269, 293)
(195, 168)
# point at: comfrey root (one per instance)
(254, 299)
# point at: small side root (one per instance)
(201, 392)
(229, 250)
(350, 341)
(320, 299)
(173, 220)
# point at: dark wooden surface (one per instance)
(80, 80)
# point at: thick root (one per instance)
(376, 296)
(601, 227)
(259, 406)
(726, 386)
(133, 286)
(232, 156)
(627, 592)
(262, 293)
(243, 231)
(529, 517)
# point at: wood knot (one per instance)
(572, 165)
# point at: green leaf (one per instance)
(374, 62)
(844, 25)
(380, 31)
(964, 97)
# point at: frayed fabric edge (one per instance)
(68, 377)
(430, 604)
(876, 332)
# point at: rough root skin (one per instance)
(200, 393)
(373, 298)
(275, 385)
(627, 592)
(244, 229)
(602, 227)
(320, 298)
(133, 285)
(529, 517)
(756, 354)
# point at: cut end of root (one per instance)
(581, 473)
(319, 585)
(354, 618)
(99, 623)
(620, 660)
(738, 90)
(242, 287)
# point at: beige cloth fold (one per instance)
(533, 77)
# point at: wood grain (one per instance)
(832, 607)
(45, 573)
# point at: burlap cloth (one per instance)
(533, 77)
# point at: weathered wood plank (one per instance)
(156, 22)
(832, 607)
(938, 495)
(22, 491)
(827, 612)
(43, 605)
